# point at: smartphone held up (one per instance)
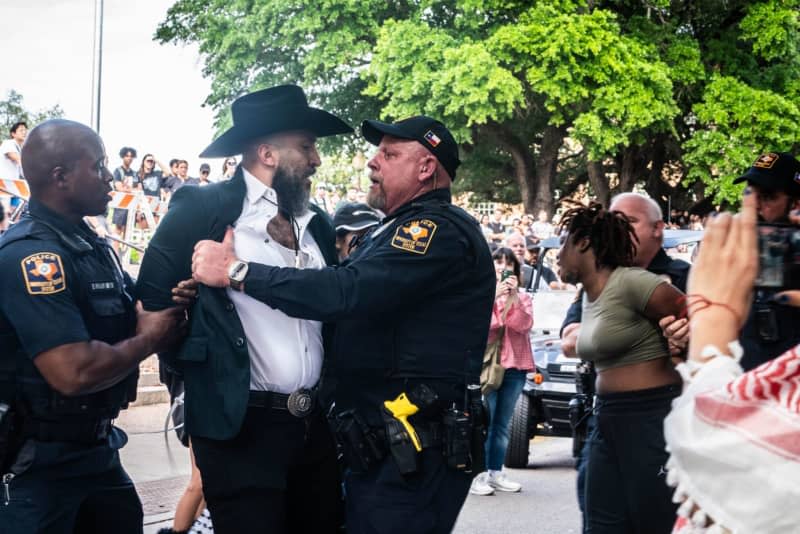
(778, 257)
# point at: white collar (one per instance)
(256, 189)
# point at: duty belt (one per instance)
(86, 431)
(299, 403)
(429, 434)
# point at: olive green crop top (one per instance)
(614, 330)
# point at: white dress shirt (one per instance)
(285, 353)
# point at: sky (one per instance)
(152, 94)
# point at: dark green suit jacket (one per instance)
(213, 359)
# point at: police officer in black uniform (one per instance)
(71, 339)
(411, 308)
(772, 326)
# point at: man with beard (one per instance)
(263, 448)
(411, 306)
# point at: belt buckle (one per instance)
(300, 403)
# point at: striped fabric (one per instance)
(734, 441)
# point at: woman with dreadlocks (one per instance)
(626, 490)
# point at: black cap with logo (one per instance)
(775, 171)
(429, 132)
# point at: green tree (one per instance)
(542, 95)
(12, 111)
(751, 104)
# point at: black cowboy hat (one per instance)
(277, 109)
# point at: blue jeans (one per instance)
(501, 408)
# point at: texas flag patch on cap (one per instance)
(432, 138)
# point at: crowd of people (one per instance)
(331, 370)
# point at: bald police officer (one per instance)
(411, 307)
(72, 339)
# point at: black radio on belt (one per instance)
(458, 439)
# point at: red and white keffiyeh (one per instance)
(734, 443)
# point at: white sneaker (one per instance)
(480, 485)
(499, 481)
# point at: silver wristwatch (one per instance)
(236, 274)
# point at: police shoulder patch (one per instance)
(414, 236)
(43, 273)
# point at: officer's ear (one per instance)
(427, 167)
(58, 175)
(658, 230)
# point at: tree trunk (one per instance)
(552, 139)
(523, 162)
(599, 181)
(629, 169)
(658, 189)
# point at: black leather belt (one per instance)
(299, 403)
(88, 431)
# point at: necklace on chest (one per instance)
(285, 230)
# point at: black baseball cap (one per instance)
(531, 243)
(205, 167)
(428, 132)
(355, 216)
(775, 171)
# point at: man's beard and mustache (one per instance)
(292, 190)
(376, 199)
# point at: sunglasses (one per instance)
(204, 172)
(230, 163)
(149, 161)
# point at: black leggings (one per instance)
(626, 489)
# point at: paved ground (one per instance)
(546, 505)
(159, 466)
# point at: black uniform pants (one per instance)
(382, 501)
(626, 481)
(70, 488)
(278, 475)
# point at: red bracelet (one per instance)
(694, 300)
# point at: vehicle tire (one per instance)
(519, 435)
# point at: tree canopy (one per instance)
(12, 111)
(542, 95)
